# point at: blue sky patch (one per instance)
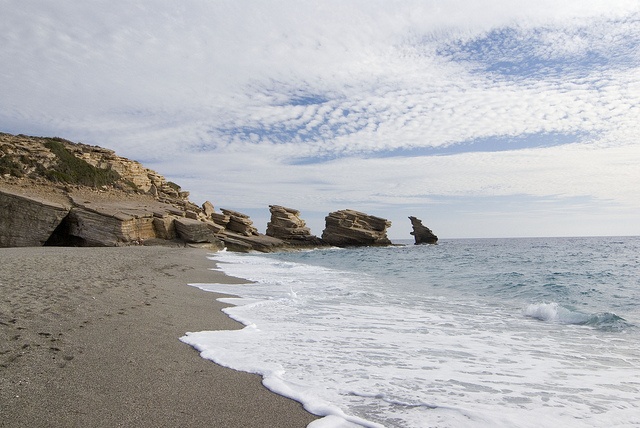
(478, 145)
(511, 52)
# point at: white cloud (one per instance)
(242, 91)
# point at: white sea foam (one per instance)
(367, 349)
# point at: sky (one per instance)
(483, 118)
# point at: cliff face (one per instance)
(55, 192)
(36, 222)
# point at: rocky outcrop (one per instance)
(28, 221)
(196, 231)
(96, 228)
(239, 223)
(55, 192)
(84, 195)
(220, 219)
(422, 234)
(287, 225)
(347, 228)
(259, 242)
(239, 233)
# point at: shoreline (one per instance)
(90, 337)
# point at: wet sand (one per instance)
(89, 337)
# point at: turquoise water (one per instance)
(487, 332)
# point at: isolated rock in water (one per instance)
(422, 234)
(286, 224)
(28, 221)
(347, 228)
(240, 223)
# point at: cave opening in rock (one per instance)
(61, 236)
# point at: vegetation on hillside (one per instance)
(9, 166)
(73, 170)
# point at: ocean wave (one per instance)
(553, 312)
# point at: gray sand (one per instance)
(89, 338)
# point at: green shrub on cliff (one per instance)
(73, 170)
(9, 166)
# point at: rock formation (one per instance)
(55, 192)
(347, 228)
(240, 234)
(287, 225)
(28, 221)
(197, 231)
(422, 234)
(239, 223)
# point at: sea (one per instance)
(539, 332)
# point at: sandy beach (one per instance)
(89, 338)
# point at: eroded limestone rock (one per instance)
(422, 234)
(347, 228)
(286, 224)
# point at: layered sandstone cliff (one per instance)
(28, 221)
(55, 192)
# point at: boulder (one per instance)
(258, 242)
(196, 231)
(422, 234)
(165, 227)
(240, 223)
(208, 209)
(348, 228)
(28, 221)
